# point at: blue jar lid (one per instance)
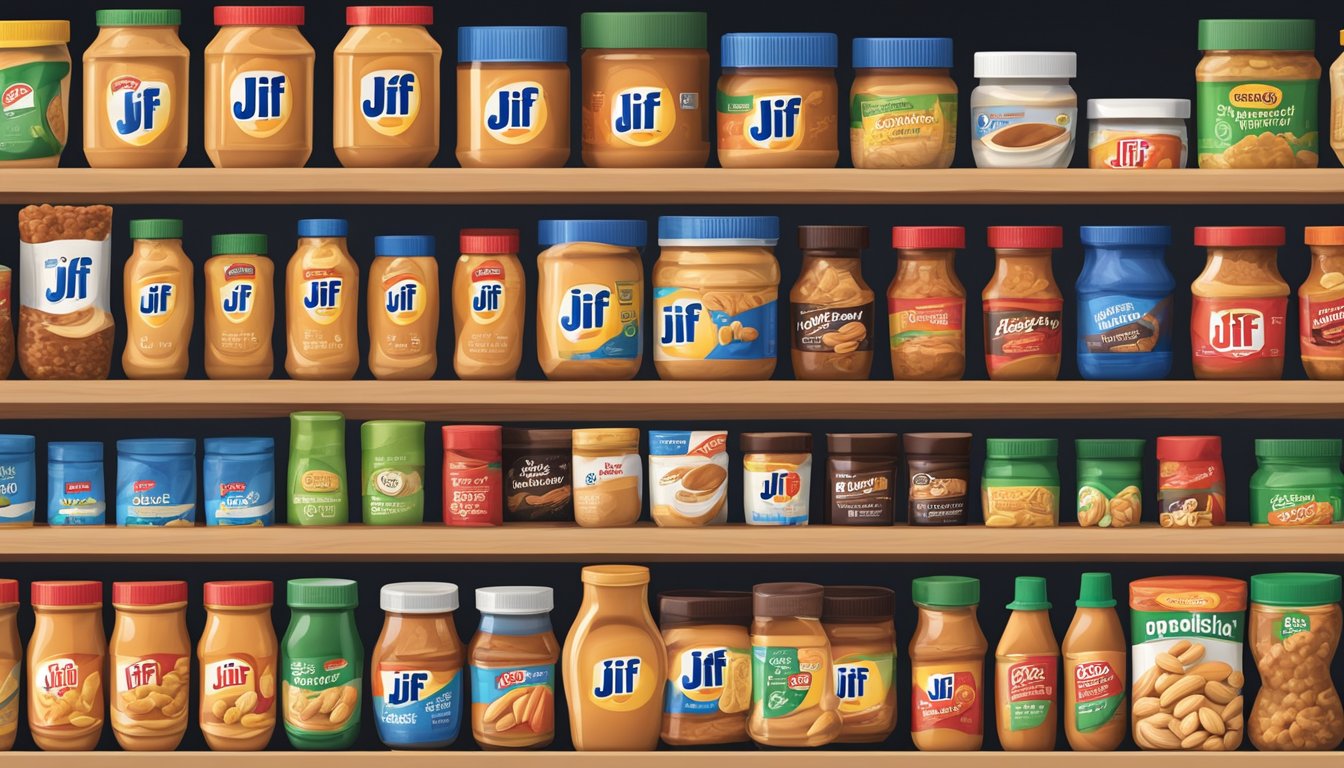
(17, 443)
(159, 446)
(403, 245)
(239, 446)
(74, 451)
(540, 45)
(894, 52)
(780, 49)
(630, 233)
(740, 230)
(323, 228)
(1116, 236)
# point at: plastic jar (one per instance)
(903, 104)
(1020, 486)
(392, 471)
(688, 477)
(67, 652)
(473, 488)
(947, 666)
(322, 304)
(608, 477)
(318, 493)
(6, 322)
(160, 297)
(861, 478)
(239, 308)
(1191, 489)
(18, 480)
(512, 657)
(715, 293)
(1024, 113)
(156, 482)
(1110, 482)
(1124, 303)
(776, 477)
(417, 667)
(322, 660)
(778, 102)
(489, 305)
(645, 100)
(926, 305)
(512, 97)
(150, 654)
(1238, 318)
(238, 656)
(537, 482)
(787, 638)
(1137, 134)
(1250, 66)
(1294, 633)
(709, 660)
(939, 465)
(11, 662)
(859, 625)
(239, 481)
(1298, 482)
(403, 308)
(35, 54)
(831, 307)
(1023, 306)
(1321, 303)
(76, 492)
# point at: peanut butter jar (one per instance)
(831, 309)
(793, 677)
(608, 477)
(512, 664)
(150, 665)
(67, 658)
(778, 102)
(645, 97)
(512, 97)
(1321, 302)
(34, 69)
(708, 689)
(926, 305)
(861, 478)
(903, 104)
(859, 625)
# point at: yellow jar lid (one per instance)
(33, 34)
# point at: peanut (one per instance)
(341, 713)
(253, 720)
(246, 702)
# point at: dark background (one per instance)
(1139, 52)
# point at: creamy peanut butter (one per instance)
(1095, 718)
(322, 304)
(489, 301)
(404, 308)
(160, 302)
(947, 666)
(608, 477)
(512, 97)
(688, 477)
(708, 666)
(859, 625)
(150, 665)
(136, 91)
(67, 658)
(239, 308)
(903, 104)
(238, 656)
(1239, 315)
(778, 102)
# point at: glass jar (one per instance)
(861, 478)
(1020, 487)
(831, 306)
(947, 666)
(708, 694)
(778, 102)
(512, 657)
(1024, 113)
(1110, 482)
(1298, 482)
(608, 477)
(1238, 322)
(1321, 302)
(1137, 134)
(512, 97)
(926, 305)
(903, 104)
(1124, 303)
(1023, 306)
(859, 625)
(793, 684)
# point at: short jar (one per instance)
(1024, 113)
(1137, 134)
(76, 489)
(156, 482)
(1125, 303)
(1239, 311)
(778, 102)
(861, 478)
(1191, 486)
(709, 656)
(37, 63)
(1298, 482)
(776, 477)
(473, 486)
(512, 97)
(512, 656)
(608, 477)
(238, 477)
(536, 475)
(903, 104)
(860, 626)
(939, 465)
(1020, 487)
(1110, 482)
(18, 480)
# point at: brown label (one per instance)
(819, 328)
(1020, 327)
(536, 487)
(938, 497)
(862, 498)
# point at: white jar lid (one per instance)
(518, 601)
(1138, 109)
(418, 597)
(1026, 64)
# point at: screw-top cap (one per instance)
(1094, 591)
(1257, 35)
(321, 433)
(394, 436)
(389, 15)
(418, 597)
(832, 237)
(144, 17)
(158, 446)
(515, 601)
(235, 594)
(622, 232)
(659, 29)
(1295, 590)
(1026, 237)
(322, 593)
(1104, 237)
(944, 238)
(1029, 594)
(1323, 235)
(409, 246)
(156, 229)
(1299, 449)
(239, 446)
(858, 603)
(775, 442)
(523, 45)
(75, 451)
(1109, 449)
(864, 443)
(1022, 448)
(1138, 109)
(897, 52)
(9, 591)
(1240, 237)
(604, 438)
(148, 593)
(324, 228)
(703, 606)
(259, 15)
(780, 50)
(615, 575)
(946, 591)
(486, 241)
(783, 599)
(62, 594)
(18, 444)
(472, 437)
(718, 230)
(1036, 65)
(238, 245)
(33, 34)
(538, 439)
(949, 444)
(1189, 448)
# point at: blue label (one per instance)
(75, 493)
(687, 327)
(18, 489)
(1121, 323)
(239, 490)
(415, 706)
(489, 684)
(156, 490)
(708, 680)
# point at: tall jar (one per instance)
(417, 667)
(512, 658)
(1023, 306)
(947, 666)
(1320, 300)
(1239, 317)
(160, 302)
(926, 305)
(1020, 487)
(831, 307)
(150, 654)
(322, 304)
(489, 304)
(238, 655)
(512, 97)
(322, 662)
(778, 101)
(11, 663)
(1124, 303)
(862, 633)
(66, 662)
(793, 699)
(1024, 113)
(903, 104)
(403, 308)
(239, 308)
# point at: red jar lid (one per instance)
(1240, 237)
(258, 15)
(398, 15)
(472, 437)
(148, 592)
(928, 237)
(1026, 237)
(9, 591)
(1189, 448)
(239, 593)
(58, 594)
(488, 241)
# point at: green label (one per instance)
(317, 492)
(395, 495)
(1291, 624)
(1092, 715)
(322, 693)
(911, 111)
(1295, 506)
(1160, 625)
(33, 119)
(1258, 124)
(735, 105)
(1025, 715)
(778, 681)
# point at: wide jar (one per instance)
(1024, 113)
(778, 102)
(512, 97)
(1191, 486)
(831, 307)
(861, 478)
(793, 697)
(1320, 300)
(417, 667)
(149, 665)
(473, 486)
(926, 305)
(66, 664)
(35, 63)
(238, 478)
(1110, 482)
(645, 99)
(859, 625)
(156, 482)
(1137, 134)
(1256, 92)
(709, 666)
(1020, 486)
(939, 465)
(1298, 482)
(903, 104)
(1023, 306)
(1124, 303)
(715, 292)
(688, 477)
(776, 477)
(947, 666)
(512, 659)
(238, 662)
(76, 491)
(537, 484)
(1238, 320)
(322, 665)
(608, 477)
(18, 480)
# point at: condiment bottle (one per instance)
(489, 300)
(67, 656)
(512, 658)
(473, 486)
(939, 465)
(322, 661)
(160, 302)
(1026, 676)
(1023, 306)
(793, 696)
(404, 308)
(859, 625)
(608, 477)
(1321, 302)
(512, 97)
(926, 305)
(615, 663)
(832, 310)
(238, 658)
(150, 665)
(417, 667)
(861, 478)
(1238, 319)
(947, 660)
(11, 662)
(392, 472)
(778, 101)
(318, 492)
(1094, 670)
(1124, 303)
(537, 483)
(322, 304)
(709, 666)
(903, 104)
(1191, 486)
(239, 308)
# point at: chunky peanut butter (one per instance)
(512, 658)
(794, 702)
(708, 666)
(1321, 300)
(947, 666)
(926, 305)
(67, 658)
(150, 665)
(136, 91)
(831, 306)
(238, 664)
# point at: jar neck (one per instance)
(632, 600)
(515, 625)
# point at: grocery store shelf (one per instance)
(557, 542)
(699, 186)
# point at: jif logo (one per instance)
(616, 677)
(72, 280)
(637, 110)
(703, 668)
(406, 687)
(850, 681)
(679, 322)
(776, 119)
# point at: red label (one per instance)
(142, 485)
(1321, 324)
(226, 488)
(1095, 680)
(126, 83)
(711, 447)
(239, 271)
(15, 93)
(1238, 329)
(82, 487)
(949, 700)
(512, 677)
(1020, 328)
(472, 491)
(489, 270)
(800, 681)
(334, 664)
(1033, 679)
(926, 314)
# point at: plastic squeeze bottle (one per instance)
(322, 304)
(1026, 672)
(317, 490)
(1094, 670)
(160, 302)
(322, 663)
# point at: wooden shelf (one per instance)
(555, 542)
(694, 186)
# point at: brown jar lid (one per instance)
(776, 442)
(938, 444)
(873, 603)
(783, 599)
(704, 606)
(832, 237)
(537, 439)
(864, 443)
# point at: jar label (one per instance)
(1131, 150)
(1030, 691)
(708, 681)
(1322, 325)
(389, 100)
(1191, 494)
(1015, 135)
(945, 696)
(938, 497)
(497, 691)
(911, 131)
(321, 694)
(1019, 328)
(1259, 124)
(261, 102)
(1296, 506)
(642, 115)
(827, 328)
(862, 498)
(863, 681)
(18, 490)
(139, 111)
(714, 325)
(32, 115)
(775, 493)
(537, 487)
(67, 690)
(1019, 506)
(1123, 323)
(787, 680)
(1098, 690)
(1238, 329)
(1290, 624)
(417, 704)
(772, 121)
(232, 684)
(471, 489)
(1101, 504)
(150, 691)
(597, 321)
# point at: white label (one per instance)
(589, 471)
(65, 276)
(779, 496)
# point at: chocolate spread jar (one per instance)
(940, 471)
(861, 478)
(537, 475)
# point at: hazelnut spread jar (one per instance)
(239, 308)
(645, 98)
(776, 477)
(149, 665)
(793, 699)
(66, 662)
(859, 625)
(608, 477)
(939, 465)
(1023, 305)
(861, 478)
(1321, 304)
(1238, 322)
(831, 310)
(1095, 717)
(778, 101)
(403, 308)
(947, 666)
(536, 474)
(489, 299)
(237, 653)
(926, 305)
(709, 682)
(903, 104)
(512, 659)
(512, 97)
(1026, 672)
(715, 292)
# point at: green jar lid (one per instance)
(946, 591)
(644, 30)
(1029, 594)
(1257, 35)
(1022, 448)
(1295, 590)
(156, 229)
(1095, 591)
(139, 17)
(317, 433)
(1299, 449)
(322, 593)
(395, 437)
(1109, 449)
(238, 245)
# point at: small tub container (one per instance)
(239, 481)
(18, 480)
(76, 492)
(778, 101)
(1137, 134)
(512, 97)
(1024, 113)
(156, 482)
